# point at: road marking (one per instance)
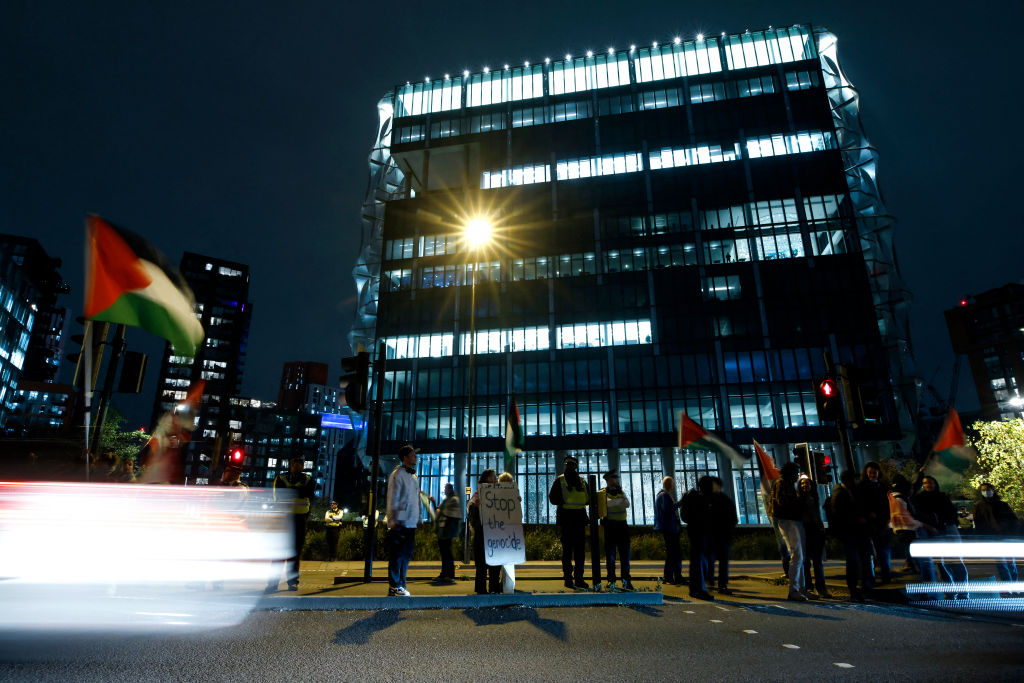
(843, 665)
(749, 630)
(791, 646)
(689, 611)
(722, 608)
(715, 621)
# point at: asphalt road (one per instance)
(677, 641)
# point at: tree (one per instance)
(1000, 446)
(119, 445)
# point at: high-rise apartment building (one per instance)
(221, 290)
(295, 376)
(989, 329)
(612, 237)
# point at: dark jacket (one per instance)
(844, 517)
(994, 516)
(811, 510)
(785, 504)
(665, 517)
(723, 519)
(935, 509)
(873, 503)
(697, 509)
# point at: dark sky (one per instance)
(241, 130)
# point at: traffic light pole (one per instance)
(108, 388)
(841, 426)
(370, 539)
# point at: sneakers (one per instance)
(569, 584)
(627, 585)
(612, 586)
(725, 591)
(797, 596)
(581, 585)
(399, 591)
(293, 585)
(703, 595)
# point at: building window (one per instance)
(641, 472)
(794, 143)
(721, 288)
(618, 333)
(774, 46)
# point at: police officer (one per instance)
(332, 522)
(569, 493)
(616, 531)
(303, 485)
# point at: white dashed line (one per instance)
(749, 630)
(715, 621)
(791, 646)
(689, 611)
(843, 665)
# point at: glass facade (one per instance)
(674, 229)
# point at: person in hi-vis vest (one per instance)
(612, 505)
(570, 494)
(303, 486)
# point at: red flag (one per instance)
(767, 472)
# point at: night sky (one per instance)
(241, 130)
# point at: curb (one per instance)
(286, 603)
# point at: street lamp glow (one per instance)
(478, 232)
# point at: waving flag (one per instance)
(514, 441)
(951, 455)
(128, 282)
(692, 435)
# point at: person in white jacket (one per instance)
(404, 518)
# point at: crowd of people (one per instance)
(864, 514)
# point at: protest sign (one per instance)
(501, 515)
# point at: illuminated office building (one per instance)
(676, 227)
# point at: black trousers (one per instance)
(700, 558)
(332, 534)
(299, 525)
(487, 577)
(616, 542)
(814, 549)
(573, 550)
(444, 546)
(673, 557)
(721, 549)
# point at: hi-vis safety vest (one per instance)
(615, 514)
(572, 499)
(300, 506)
(328, 518)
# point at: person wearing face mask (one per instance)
(569, 493)
(993, 517)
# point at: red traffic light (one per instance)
(237, 455)
(826, 461)
(828, 388)
(963, 302)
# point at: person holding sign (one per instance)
(508, 570)
(612, 505)
(569, 493)
(486, 576)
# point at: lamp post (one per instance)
(477, 235)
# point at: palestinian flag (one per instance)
(767, 472)
(952, 457)
(514, 441)
(129, 283)
(692, 435)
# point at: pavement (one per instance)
(340, 585)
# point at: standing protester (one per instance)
(616, 530)
(873, 498)
(666, 520)
(569, 493)
(507, 575)
(902, 518)
(789, 515)
(404, 518)
(846, 524)
(814, 536)
(935, 509)
(449, 527)
(723, 523)
(487, 579)
(302, 485)
(992, 516)
(332, 522)
(697, 510)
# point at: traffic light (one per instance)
(133, 372)
(801, 456)
(354, 379)
(827, 399)
(236, 458)
(822, 467)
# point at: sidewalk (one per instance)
(340, 585)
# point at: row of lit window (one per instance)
(667, 157)
(689, 58)
(439, 345)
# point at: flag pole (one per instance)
(87, 355)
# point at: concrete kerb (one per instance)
(322, 603)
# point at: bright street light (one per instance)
(478, 232)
